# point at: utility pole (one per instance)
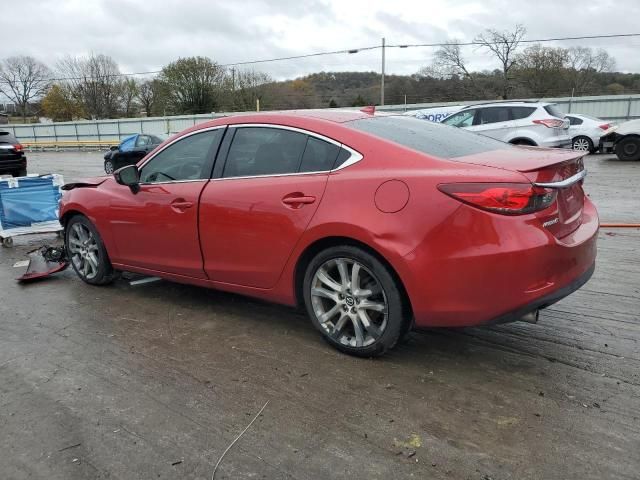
(382, 77)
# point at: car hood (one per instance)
(632, 126)
(92, 182)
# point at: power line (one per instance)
(372, 47)
(539, 40)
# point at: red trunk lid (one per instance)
(548, 166)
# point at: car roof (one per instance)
(510, 103)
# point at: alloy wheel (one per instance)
(108, 167)
(581, 144)
(349, 302)
(84, 251)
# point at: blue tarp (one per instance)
(128, 143)
(33, 200)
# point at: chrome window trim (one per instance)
(566, 182)
(172, 142)
(354, 157)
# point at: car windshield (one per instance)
(554, 110)
(431, 138)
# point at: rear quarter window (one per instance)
(431, 138)
(554, 110)
(521, 112)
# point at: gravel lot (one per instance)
(155, 381)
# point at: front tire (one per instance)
(582, 144)
(20, 173)
(355, 301)
(628, 149)
(86, 252)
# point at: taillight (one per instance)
(17, 147)
(550, 122)
(504, 198)
(604, 126)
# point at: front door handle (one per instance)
(298, 200)
(181, 204)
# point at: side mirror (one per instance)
(129, 176)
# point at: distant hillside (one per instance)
(339, 89)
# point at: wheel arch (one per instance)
(523, 141)
(334, 241)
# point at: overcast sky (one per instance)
(145, 35)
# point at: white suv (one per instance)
(521, 123)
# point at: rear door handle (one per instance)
(181, 204)
(298, 200)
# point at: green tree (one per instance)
(60, 105)
(359, 101)
(194, 84)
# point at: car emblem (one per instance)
(350, 301)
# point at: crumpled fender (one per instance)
(86, 183)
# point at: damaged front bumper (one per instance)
(44, 261)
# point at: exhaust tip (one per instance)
(531, 317)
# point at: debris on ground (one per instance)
(43, 262)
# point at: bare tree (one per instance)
(247, 87)
(151, 94)
(23, 79)
(449, 62)
(95, 82)
(503, 45)
(541, 69)
(128, 94)
(584, 65)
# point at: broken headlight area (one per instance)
(43, 262)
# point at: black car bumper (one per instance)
(12, 163)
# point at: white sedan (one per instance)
(586, 131)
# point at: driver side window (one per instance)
(187, 159)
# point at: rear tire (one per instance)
(582, 144)
(86, 252)
(355, 301)
(109, 167)
(628, 149)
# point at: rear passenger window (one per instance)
(575, 121)
(493, 115)
(319, 156)
(265, 151)
(521, 112)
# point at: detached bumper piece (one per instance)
(43, 262)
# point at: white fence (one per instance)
(609, 107)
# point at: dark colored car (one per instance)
(375, 223)
(12, 158)
(130, 151)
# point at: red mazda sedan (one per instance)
(375, 223)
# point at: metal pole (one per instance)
(405, 102)
(257, 104)
(382, 77)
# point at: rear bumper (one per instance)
(547, 300)
(12, 164)
(557, 142)
(487, 268)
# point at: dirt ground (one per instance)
(156, 380)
